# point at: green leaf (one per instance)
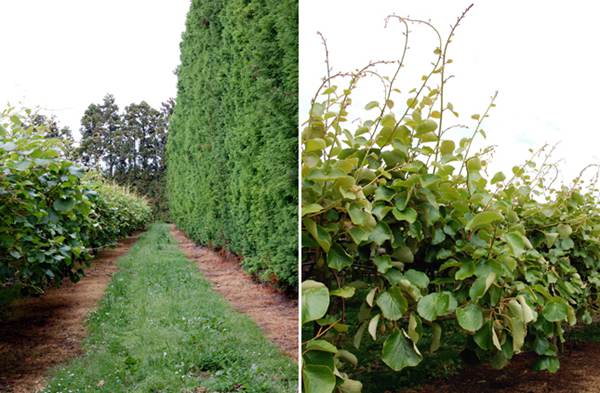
(337, 258)
(555, 310)
(550, 364)
(417, 278)
(426, 126)
(480, 286)
(371, 105)
(467, 269)
(564, 230)
(321, 345)
(392, 303)
(436, 335)
(447, 147)
(436, 304)
(63, 205)
(315, 144)
(517, 243)
(384, 194)
(317, 109)
(399, 353)
(317, 379)
(470, 317)
(414, 327)
(473, 164)
(383, 263)
(381, 233)
(350, 386)
(408, 214)
(518, 327)
(344, 292)
(498, 177)
(483, 219)
(359, 216)
(315, 300)
(311, 208)
(358, 235)
(318, 233)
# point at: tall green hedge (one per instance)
(232, 148)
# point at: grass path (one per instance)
(161, 328)
(274, 312)
(39, 333)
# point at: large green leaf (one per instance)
(555, 310)
(315, 300)
(392, 303)
(380, 233)
(481, 285)
(317, 379)
(398, 352)
(408, 214)
(470, 317)
(417, 278)
(318, 233)
(337, 258)
(436, 304)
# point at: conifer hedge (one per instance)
(232, 148)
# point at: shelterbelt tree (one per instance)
(406, 237)
(127, 146)
(232, 146)
(53, 215)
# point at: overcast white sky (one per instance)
(62, 55)
(542, 56)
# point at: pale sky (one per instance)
(62, 55)
(542, 57)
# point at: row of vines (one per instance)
(53, 215)
(406, 236)
(232, 149)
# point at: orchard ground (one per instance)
(160, 326)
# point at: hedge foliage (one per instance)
(405, 230)
(51, 216)
(232, 147)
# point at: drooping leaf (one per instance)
(398, 353)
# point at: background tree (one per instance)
(128, 147)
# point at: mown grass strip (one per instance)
(161, 328)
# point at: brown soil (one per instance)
(45, 331)
(579, 373)
(274, 312)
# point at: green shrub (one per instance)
(232, 145)
(117, 211)
(50, 217)
(403, 224)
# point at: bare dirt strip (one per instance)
(579, 373)
(275, 313)
(43, 332)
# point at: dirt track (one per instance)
(43, 332)
(579, 373)
(275, 313)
